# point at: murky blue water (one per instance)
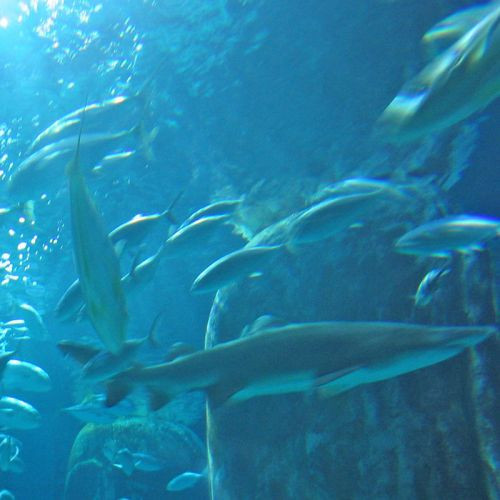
(267, 100)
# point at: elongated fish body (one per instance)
(38, 174)
(97, 264)
(463, 79)
(34, 321)
(428, 286)
(360, 185)
(71, 302)
(441, 237)
(329, 217)
(194, 236)
(24, 376)
(142, 273)
(17, 414)
(95, 411)
(299, 357)
(70, 123)
(233, 267)
(134, 232)
(223, 207)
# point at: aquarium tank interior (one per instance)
(250, 249)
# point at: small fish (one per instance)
(34, 321)
(186, 480)
(111, 159)
(330, 356)
(329, 217)
(428, 286)
(438, 238)
(97, 263)
(93, 410)
(23, 376)
(455, 84)
(17, 414)
(128, 461)
(223, 207)
(194, 237)
(147, 463)
(133, 232)
(143, 272)
(233, 267)
(10, 448)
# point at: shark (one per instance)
(96, 261)
(330, 357)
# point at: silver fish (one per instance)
(300, 357)
(428, 286)
(233, 267)
(440, 237)
(97, 263)
(23, 376)
(329, 217)
(463, 79)
(17, 414)
(222, 207)
(194, 236)
(94, 410)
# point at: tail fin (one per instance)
(146, 139)
(168, 212)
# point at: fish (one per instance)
(93, 410)
(6, 495)
(298, 357)
(128, 461)
(23, 376)
(97, 264)
(186, 480)
(33, 321)
(17, 414)
(10, 448)
(329, 217)
(70, 305)
(99, 364)
(194, 236)
(463, 79)
(428, 286)
(38, 174)
(143, 272)
(441, 237)
(111, 159)
(233, 267)
(133, 232)
(222, 207)
(359, 185)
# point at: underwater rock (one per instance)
(91, 473)
(428, 434)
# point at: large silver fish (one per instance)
(233, 267)
(440, 237)
(96, 262)
(329, 356)
(463, 79)
(42, 172)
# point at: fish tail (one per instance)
(168, 212)
(146, 139)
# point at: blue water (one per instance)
(253, 98)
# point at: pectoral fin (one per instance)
(334, 383)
